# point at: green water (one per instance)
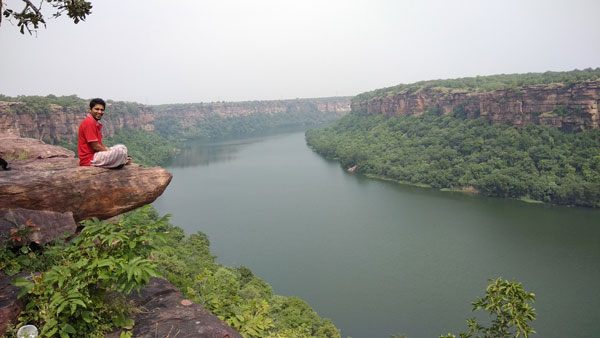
(379, 258)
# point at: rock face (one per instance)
(51, 224)
(14, 147)
(561, 106)
(167, 314)
(62, 124)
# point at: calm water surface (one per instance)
(380, 258)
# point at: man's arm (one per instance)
(97, 147)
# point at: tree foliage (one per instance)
(510, 312)
(145, 147)
(31, 16)
(535, 162)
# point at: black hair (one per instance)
(96, 101)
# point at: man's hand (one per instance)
(97, 147)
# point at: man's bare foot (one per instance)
(128, 160)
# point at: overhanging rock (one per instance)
(58, 184)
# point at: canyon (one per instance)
(60, 124)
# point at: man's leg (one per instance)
(114, 157)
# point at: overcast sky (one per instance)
(201, 51)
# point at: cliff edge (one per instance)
(46, 187)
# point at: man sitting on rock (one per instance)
(89, 146)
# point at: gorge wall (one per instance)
(60, 124)
(568, 107)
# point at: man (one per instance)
(89, 146)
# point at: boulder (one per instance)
(14, 148)
(51, 224)
(166, 313)
(58, 184)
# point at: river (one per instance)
(376, 257)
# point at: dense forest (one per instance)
(536, 162)
(453, 152)
(102, 259)
(487, 83)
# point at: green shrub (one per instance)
(85, 291)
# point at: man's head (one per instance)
(97, 108)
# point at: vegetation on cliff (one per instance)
(72, 294)
(536, 162)
(79, 287)
(486, 83)
(510, 312)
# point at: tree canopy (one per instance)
(446, 151)
(31, 17)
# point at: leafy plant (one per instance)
(22, 233)
(510, 310)
(85, 290)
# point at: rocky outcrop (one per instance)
(50, 179)
(62, 124)
(49, 191)
(60, 185)
(569, 107)
(166, 313)
(14, 147)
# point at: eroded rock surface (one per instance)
(14, 148)
(51, 224)
(166, 313)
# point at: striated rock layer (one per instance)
(62, 124)
(568, 107)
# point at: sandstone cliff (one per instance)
(568, 107)
(60, 124)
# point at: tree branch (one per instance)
(36, 10)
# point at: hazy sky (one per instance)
(200, 51)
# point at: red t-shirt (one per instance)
(90, 130)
